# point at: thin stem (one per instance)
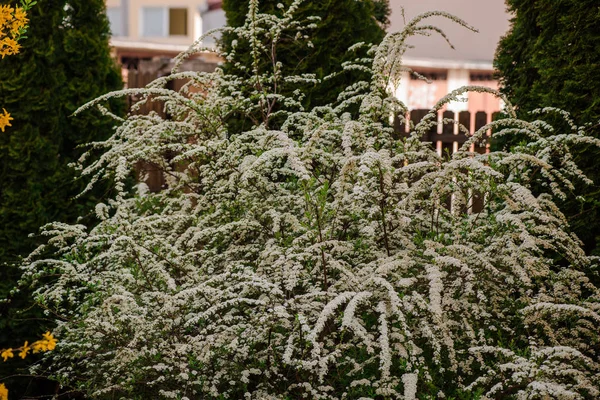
(382, 207)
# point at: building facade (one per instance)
(470, 62)
(154, 30)
(144, 29)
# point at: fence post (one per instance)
(399, 127)
(480, 121)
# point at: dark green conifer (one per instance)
(342, 24)
(64, 62)
(551, 58)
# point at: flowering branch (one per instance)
(13, 26)
(47, 343)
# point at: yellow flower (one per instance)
(51, 341)
(6, 354)
(6, 11)
(24, 350)
(3, 392)
(5, 14)
(19, 21)
(5, 120)
(15, 28)
(38, 346)
(21, 16)
(9, 46)
(47, 343)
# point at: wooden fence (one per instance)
(147, 71)
(446, 138)
(140, 76)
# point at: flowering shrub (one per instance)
(13, 26)
(322, 258)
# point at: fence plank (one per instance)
(448, 128)
(481, 121)
(464, 118)
(399, 127)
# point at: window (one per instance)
(153, 22)
(115, 18)
(481, 76)
(178, 21)
(164, 22)
(211, 19)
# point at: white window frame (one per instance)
(121, 21)
(166, 20)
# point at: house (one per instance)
(148, 33)
(143, 29)
(155, 29)
(469, 63)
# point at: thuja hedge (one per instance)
(551, 58)
(64, 62)
(317, 52)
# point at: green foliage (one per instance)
(64, 62)
(551, 58)
(340, 24)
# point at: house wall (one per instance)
(450, 69)
(132, 20)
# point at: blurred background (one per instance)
(147, 34)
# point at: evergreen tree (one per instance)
(340, 24)
(64, 62)
(551, 58)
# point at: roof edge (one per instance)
(447, 64)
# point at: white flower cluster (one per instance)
(316, 256)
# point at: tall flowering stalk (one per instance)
(324, 259)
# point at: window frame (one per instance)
(187, 21)
(121, 22)
(166, 28)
